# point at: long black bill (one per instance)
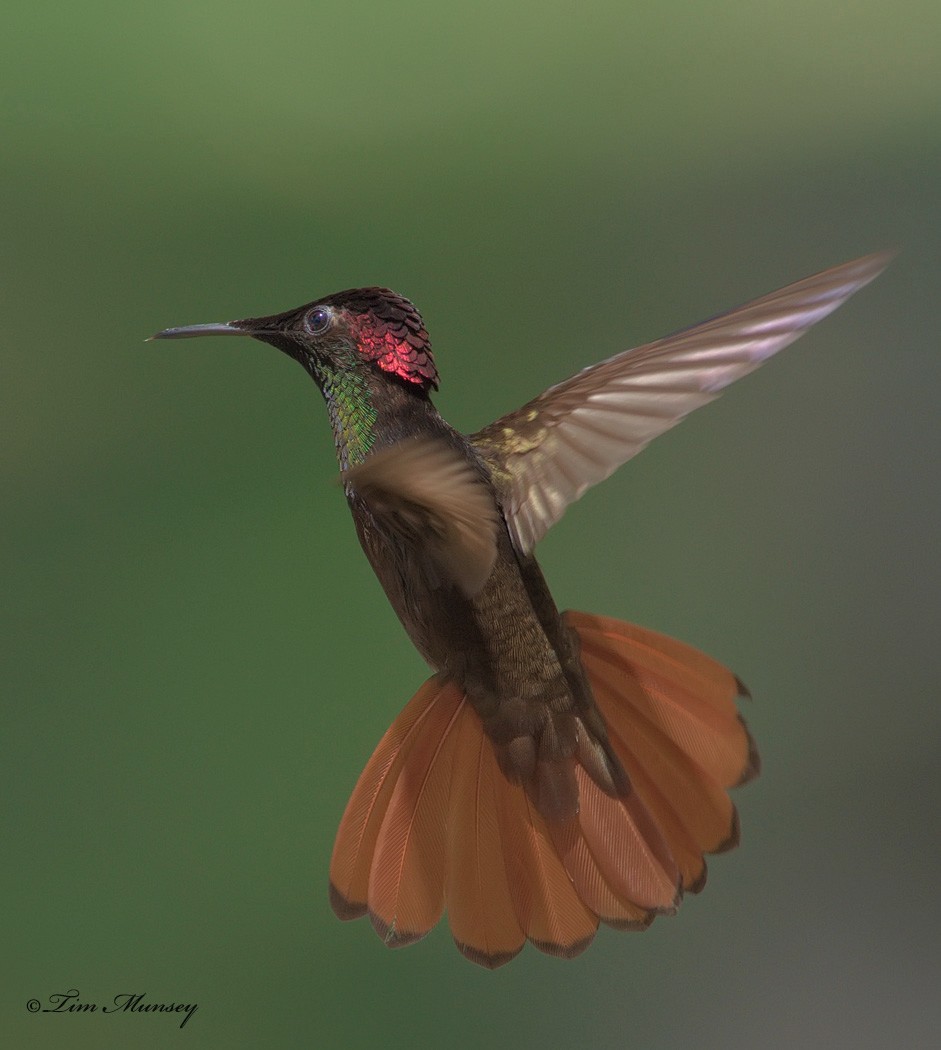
(190, 331)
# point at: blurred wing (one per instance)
(427, 494)
(546, 454)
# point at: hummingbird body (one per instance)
(504, 644)
(557, 770)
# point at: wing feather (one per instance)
(546, 454)
(429, 494)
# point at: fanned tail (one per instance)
(434, 822)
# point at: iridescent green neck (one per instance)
(352, 411)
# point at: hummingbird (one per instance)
(557, 770)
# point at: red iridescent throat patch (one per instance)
(389, 330)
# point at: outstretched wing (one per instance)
(546, 454)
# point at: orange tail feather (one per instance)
(480, 905)
(548, 906)
(433, 819)
(674, 724)
(366, 810)
(406, 878)
(687, 694)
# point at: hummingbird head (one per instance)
(355, 331)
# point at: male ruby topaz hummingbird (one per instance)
(557, 770)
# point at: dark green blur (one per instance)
(196, 660)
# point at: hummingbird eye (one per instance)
(318, 320)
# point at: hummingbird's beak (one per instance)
(190, 331)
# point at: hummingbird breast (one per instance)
(493, 644)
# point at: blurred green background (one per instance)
(196, 659)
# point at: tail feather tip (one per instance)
(563, 951)
(631, 925)
(673, 907)
(486, 959)
(743, 691)
(391, 936)
(697, 885)
(344, 908)
(753, 762)
(734, 836)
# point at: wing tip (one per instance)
(871, 265)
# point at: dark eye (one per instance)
(318, 320)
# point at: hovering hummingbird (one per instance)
(557, 770)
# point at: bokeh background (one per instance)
(196, 658)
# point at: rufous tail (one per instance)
(433, 823)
